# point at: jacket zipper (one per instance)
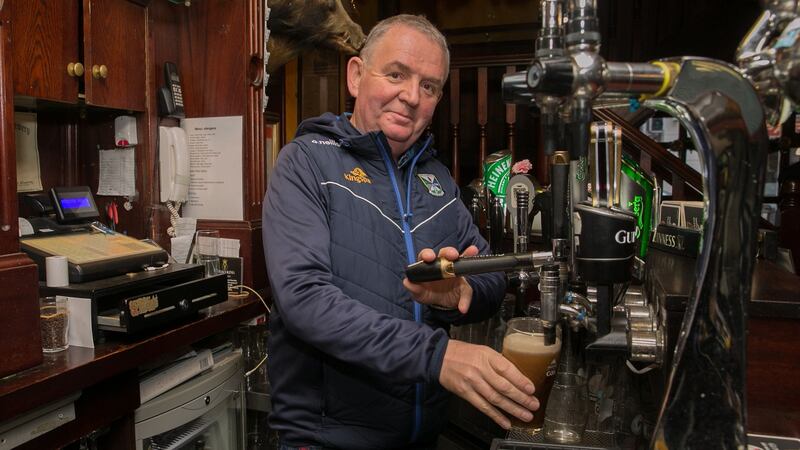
(405, 215)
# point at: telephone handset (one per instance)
(174, 164)
(170, 98)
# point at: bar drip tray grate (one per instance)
(520, 440)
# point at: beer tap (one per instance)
(525, 278)
(569, 73)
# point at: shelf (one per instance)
(78, 368)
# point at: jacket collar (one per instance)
(364, 144)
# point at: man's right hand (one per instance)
(488, 381)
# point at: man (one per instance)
(359, 355)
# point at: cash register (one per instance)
(129, 285)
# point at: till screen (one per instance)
(75, 203)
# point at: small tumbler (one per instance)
(207, 242)
(54, 322)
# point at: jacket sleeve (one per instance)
(488, 288)
(297, 247)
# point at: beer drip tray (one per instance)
(518, 440)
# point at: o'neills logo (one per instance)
(357, 175)
(669, 240)
(326, 142)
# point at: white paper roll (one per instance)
(57, 271)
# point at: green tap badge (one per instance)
(496, 173)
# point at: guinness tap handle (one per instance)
(443, 268)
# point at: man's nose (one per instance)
(409, 94)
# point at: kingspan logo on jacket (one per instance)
(357, 176)
(354, 361)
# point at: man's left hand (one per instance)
(449, 293)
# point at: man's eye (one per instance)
(395, 75)
(430, 88)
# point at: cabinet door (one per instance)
(114, 53)
(44, 36)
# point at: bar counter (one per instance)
(773, 340)
(108, 377)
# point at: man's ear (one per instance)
(355, 71)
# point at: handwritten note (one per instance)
(117, 172)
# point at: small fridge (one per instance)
(203, 413)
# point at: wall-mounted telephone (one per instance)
(173, 156)
(170, 98)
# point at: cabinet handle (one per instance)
(100, 71)
(75, 69)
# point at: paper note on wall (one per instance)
(29, 178)
(117, 172)
(215, 156)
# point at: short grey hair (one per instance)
(418, 23)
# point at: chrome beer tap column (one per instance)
(727, 125)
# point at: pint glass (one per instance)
(524, 346)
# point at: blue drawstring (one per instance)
(411, 256)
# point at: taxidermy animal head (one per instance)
(298, 25)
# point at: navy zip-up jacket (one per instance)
(353, 361)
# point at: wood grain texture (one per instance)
(45, 39)
(9, 228)
(20, 338)
(78, 368)
(773, 387)
(114, 36)
(455, 114)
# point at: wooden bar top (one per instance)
(78, 368)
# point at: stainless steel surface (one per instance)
(726, 124)
(640, 318)
(646, 346)
(548, 286)
(768, 56)
(633, 77)
(550, 41)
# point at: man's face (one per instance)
(398, 86)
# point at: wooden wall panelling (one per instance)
(220, 50)
(291, 99)
(455, 111)
(57, 141)
(255, 167)
(482, 113)
(9, 226)
(773, 387)
(511, 119)
(468, 60)
(19, 299)
(224, 49)
(214, 48)
(166, 25)
(20, 339)
(497, 120)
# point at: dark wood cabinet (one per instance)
(114, 38)
(54, 59)
(78, 64)
(44, 36)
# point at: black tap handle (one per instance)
(580, 128)
(559, 175)
(497, 217)
(468, 265)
